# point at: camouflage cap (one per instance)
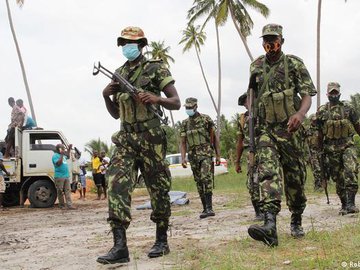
(190, 102)
(242, 99)
(131, 33)
(272, 29)
(333, 86)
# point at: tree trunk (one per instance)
(21, 61)
(218, 120)
(207, 85)
(318, 31)
(243, 39)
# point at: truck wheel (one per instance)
(11, 199)
(42, 194)
(140, 181)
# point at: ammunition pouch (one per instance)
(141, 126)
(337, 129)
(196, 137)
(336, 142)
(279, 106)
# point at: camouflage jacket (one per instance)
(243, 128)
(196, 130)
(278, 88)
(312, 135)
(337, 124)
(149, 75)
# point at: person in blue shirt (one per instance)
(62, 176)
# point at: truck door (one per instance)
(38, 153)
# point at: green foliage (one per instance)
(173, 138)
(228, 138)
(98, 145)
(357, 144)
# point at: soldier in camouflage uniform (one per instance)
(140, 143)
(243, 143)
(315, 153)
(278, 80)
(198, 137)
(337, 123)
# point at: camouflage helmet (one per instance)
(190, 102)
(242, 99)
(333, 86)
(132, 33)
(272, 29)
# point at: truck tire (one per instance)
(11, 199)
(42, 194)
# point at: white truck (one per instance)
(31, 169)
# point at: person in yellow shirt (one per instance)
(96, 172)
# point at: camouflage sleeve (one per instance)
(163, 76)
(240, 130)
(183, 129)
(320, 117)
(354, 116)
(303, 82)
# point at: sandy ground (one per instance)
(62, 239)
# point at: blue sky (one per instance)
(60, 41)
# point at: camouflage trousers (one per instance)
(203, 174)
(253, 184)
(342, 167)
(315, 157)
(280, 155)
(146, 151)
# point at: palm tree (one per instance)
(209, 8)
(98, 145)
(193, 36)
(318, 32)
(20, 3)
(240, 17)
(160, 51)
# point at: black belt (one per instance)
(141, 126)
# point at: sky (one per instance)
(60, 40)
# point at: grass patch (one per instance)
(318, 250)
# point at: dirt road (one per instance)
(63, 239)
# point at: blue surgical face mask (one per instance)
(190, 112)
(131, 51)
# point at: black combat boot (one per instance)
(209, 212)
(266, 233)
(295, 226)
(343, 210)
(161, 247)
(259, 215)
(203, 204)
(351, 208)
(119, 253)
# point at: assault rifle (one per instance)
(252, 117)
(128, 88)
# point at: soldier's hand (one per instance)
(184, 163)
(111, 89)
(238, 167)
(217, 161)
(295, 121)
(146, 97)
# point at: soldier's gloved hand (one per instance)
(238, 167)
(184, 163)
(111, 89)
(295, 121)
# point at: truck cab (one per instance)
(31, 169)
